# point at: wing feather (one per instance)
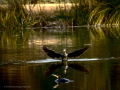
(51, 53)
(77, 52)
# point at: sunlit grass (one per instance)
(105, 14)
(20, 14)
(13, 16)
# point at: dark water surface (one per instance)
(24, 65)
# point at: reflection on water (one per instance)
(60, 80)
(65, 66)
(105, 32)
(24, 65)
(52, 60)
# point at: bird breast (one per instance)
(64, 56)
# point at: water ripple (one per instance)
(54, 60)
(83, 59)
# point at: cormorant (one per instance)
(64, 56)
(61, 80)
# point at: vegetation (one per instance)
(106, 13)
(15, 15)
(78, 14)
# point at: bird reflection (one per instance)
(60, 80)
(65, 65)
(52, 68)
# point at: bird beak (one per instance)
(55, 75)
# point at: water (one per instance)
(24, 65)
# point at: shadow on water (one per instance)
(24, 65)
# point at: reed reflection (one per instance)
(104, 32)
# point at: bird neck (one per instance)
(59, 77)
(64, 52)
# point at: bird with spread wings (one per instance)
(64, 56)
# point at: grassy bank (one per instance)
(20, 14)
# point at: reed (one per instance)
(78, 13)
(16, 15)
(106, 13)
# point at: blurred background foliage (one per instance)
(19, 14)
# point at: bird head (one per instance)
(64, 50)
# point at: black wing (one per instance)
(77, 52)
(51, 53)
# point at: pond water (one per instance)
(24, 65)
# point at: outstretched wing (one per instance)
(77, 52)
(51, 53)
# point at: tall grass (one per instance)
(15, 15)
(106, 13)
(78, 14)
